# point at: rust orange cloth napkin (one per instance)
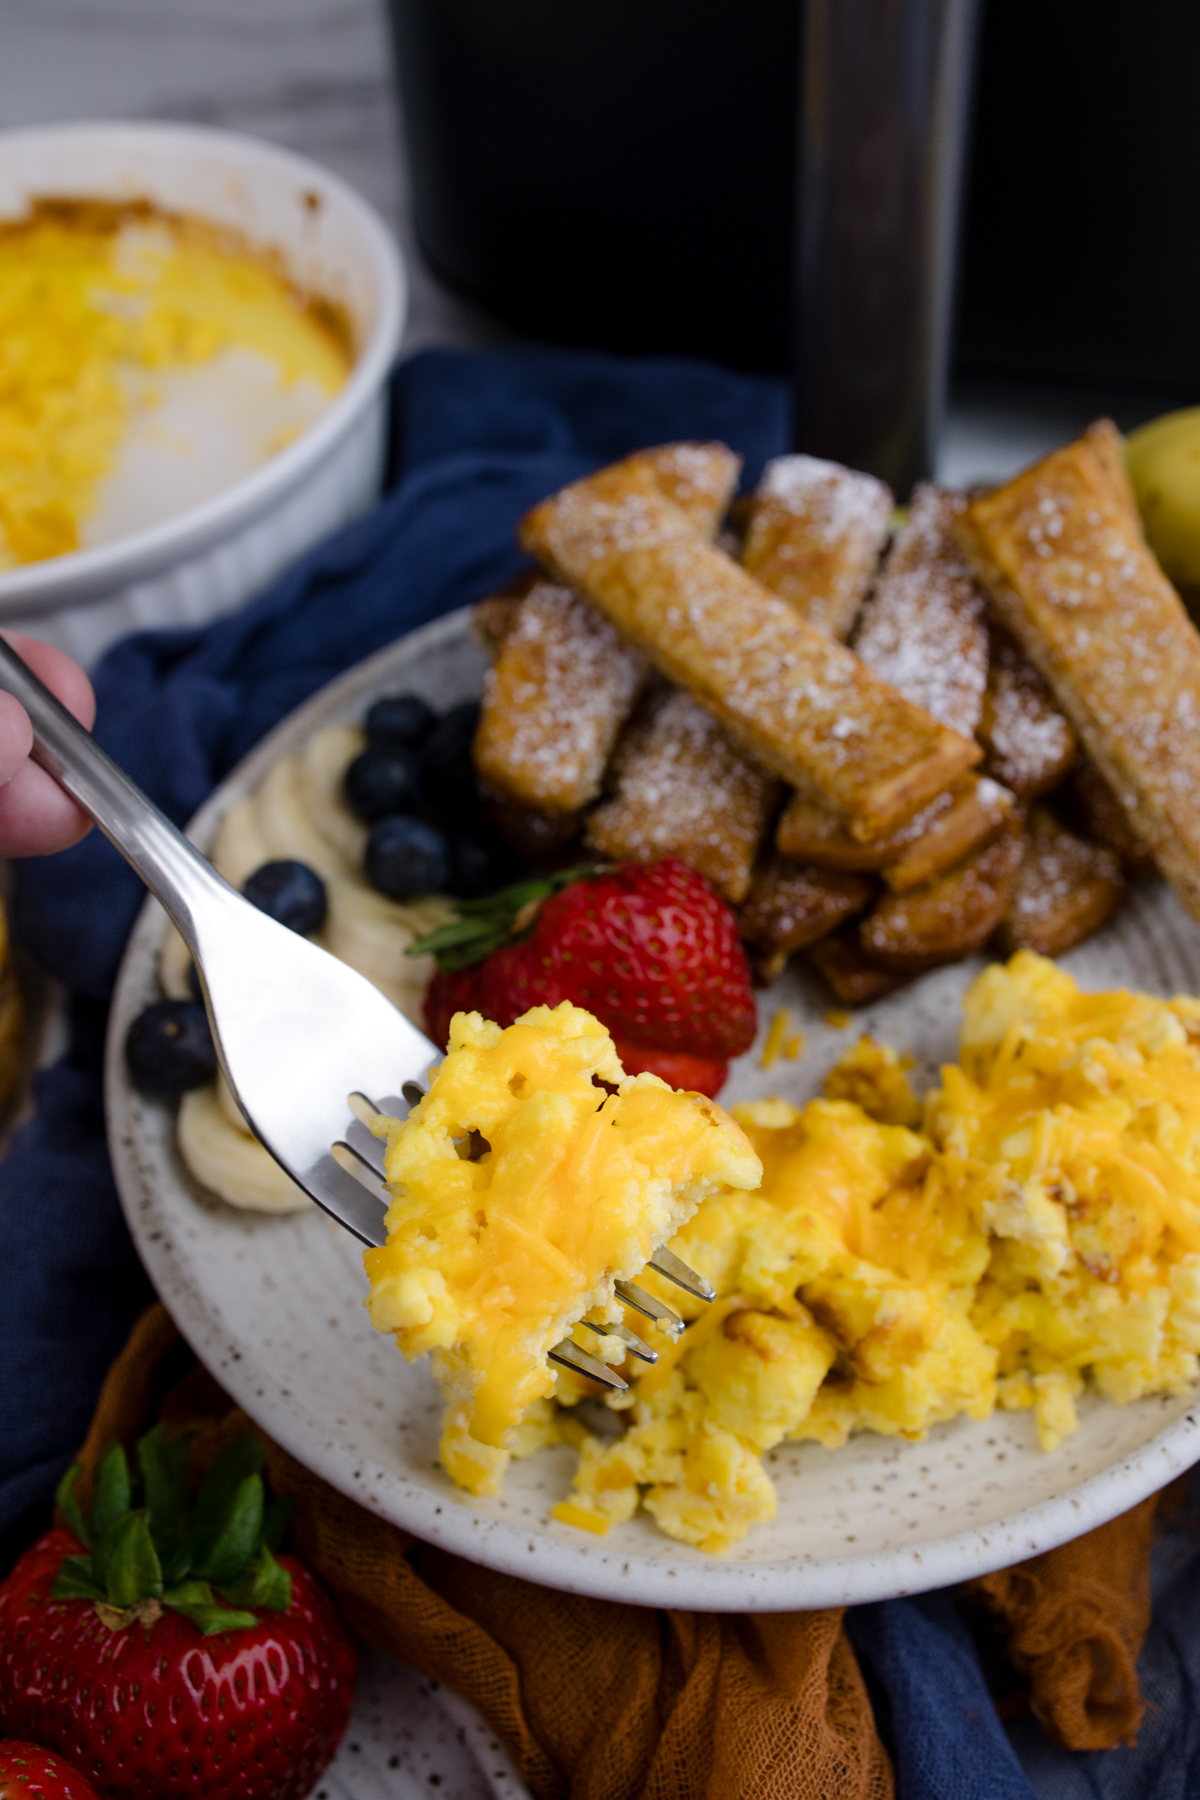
(601, 1701)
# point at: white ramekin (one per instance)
(207, 560)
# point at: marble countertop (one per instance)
(312, 75)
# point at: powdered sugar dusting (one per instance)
(700, 478)
(951, 915)
(1029, 742)
(1078, 585)
(923, 629)
(815, 535)
(1065, 890)
(833, 499)
(554, 702)
(580, 527)
(776, 684)
(684, 790)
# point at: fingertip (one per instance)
(16, 736)
(36, 817)
(60, 673)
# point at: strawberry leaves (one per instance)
(114, 1491)
(238, 1533)
(164, 1467)
(264, 1584)
(69, 1507)
(210, 1560)
(132, 1571)
(502, 918)
(75, 1581)
(196, 1601)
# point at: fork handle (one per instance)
(171, 867)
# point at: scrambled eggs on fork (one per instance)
(1034, 1225)
(532, 1176)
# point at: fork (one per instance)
(303, 1040)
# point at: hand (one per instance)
(36, 817)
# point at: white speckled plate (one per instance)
(273, 1306)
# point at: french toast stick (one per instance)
(949, 916)
(923, 629)
(494, 617)
(790, 905)
(814, 535)
(564, 682)
(1097, 809)
(808, 832)
(855, 981)
(1061, 552)
(682, 789)
(1065, 890)
(979, 809)
(554, 702)
(541, 838)
(958, 820)
(698, 478)
(1029, 741)
(784, 692)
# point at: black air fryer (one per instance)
(615, 173)
(621, 174)
(1081, 255)
(770, 184)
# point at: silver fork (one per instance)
(303, 1040)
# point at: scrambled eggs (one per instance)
(92, 297)
(879, 1265)
(1042, 1227)
(523, 1189)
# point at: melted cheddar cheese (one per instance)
(1041, 1228)
(523, 1188)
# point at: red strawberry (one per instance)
(27, 1772)
(164, 1686)
(651, 950)
(459, 991)
(696, 1074)
(451, 991)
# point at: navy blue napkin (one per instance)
(478, 439)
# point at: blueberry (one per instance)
(399, 719)
(447, 773)
(169, 1049)
(383, 781)
(405, 856)
(473, 869)
(290, 892)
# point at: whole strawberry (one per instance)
(650, 950)
(164, 1649)
(27, 1772)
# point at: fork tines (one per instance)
(570, 1356)
(670, 1265)
(361, 1154)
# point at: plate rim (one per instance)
(597, 1570)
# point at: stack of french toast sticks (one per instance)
(886, 739)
